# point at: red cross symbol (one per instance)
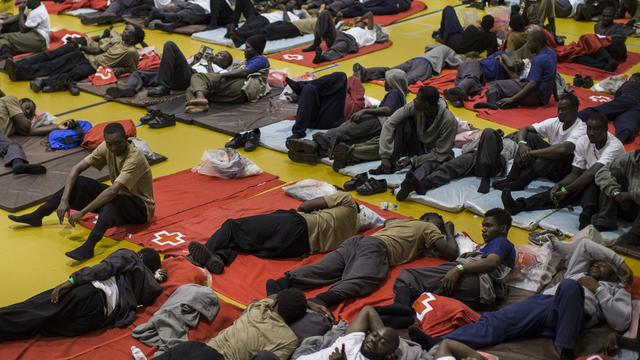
(166, 238)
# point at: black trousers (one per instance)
(321, 103)
(325, 30)
(272, 31)
(222, 14)
(62, 65)
(182, 14)
(78, 312)
(601, 59)
(609, 211)
(623, 110)
(587, 198)
(174, 72)
(122, 210)
(195, 350)
(280, 234)
(552, 169)
(10, 150)
(134, 7)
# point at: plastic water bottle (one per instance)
(388, 206)
(137, 353)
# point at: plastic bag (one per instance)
(469, 17)
(465, 244)
(276, 78)
(534, 267)
(226, 163)
(368, 219)
(142, 146)
(308, 189)
(501, 15)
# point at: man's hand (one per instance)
(321, 309)
(74, 218)
(357, 116)
(506, 102)
(161, 275)
(338, 354)
(557, 195)
(450, 280)
(106, 33)
(67, 124)
(62, 210)
(59, 291)
(589, 282)
(625, 274)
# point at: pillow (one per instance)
(368, 219)
(95, 136)
(308, 189)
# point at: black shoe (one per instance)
(36, 85)
(162, 121)
(309, 49)
(578, 81)
(512, 206)
(73, 89)
(10, 69)
(159, 91)
(340, 156)
(372, 186)
(253, 140)
(355, 181)
(360, 72)
(406, 187)
(302, 145)
(454, 97)
(237, 141)
(587, 82)
(200, 254)
(303, 157)
(165, 27)
(152, 114)
(115, 92)
(55, 88)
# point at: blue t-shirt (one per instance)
(491, 68)
(394, 100)
(257, 63)
(502, 247)
(543, 70)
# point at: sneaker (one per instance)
(372, 186)
(252, 140)
(578, 81)
(73, 89)
(355, 181)
(152, 114)
(587, 82)
(302, 145)
(162, 121)
(237, 141)
(340, 156)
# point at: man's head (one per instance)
(28, 108)
(132, 35)
(435, 219)
(516, 22)
(536, 41)
(597, 128)
(291, 304)
(601, 270)
(496, 223)
(427, 100)
(254, 46)
(487, 23)
(150, 258)
(635, 77)
(379, 344)
(223, 59)
(608, 14)
(568, 108)
(116, 138)
(32, 4)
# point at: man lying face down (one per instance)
(107, 294)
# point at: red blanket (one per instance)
(416, 7)
(598, 74)
(586, 45)
(114, 343)
(444, 81)
(185, 191)
(69, 5)
(298, 57)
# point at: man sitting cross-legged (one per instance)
(26, 32)
(129, 200)
(593, 290)
(107, 294)
(476, 279)
(361, 263)
(319, 225)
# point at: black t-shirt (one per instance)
(474, 39)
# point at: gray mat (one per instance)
(566, 220)
(216, 36)
(141, 99)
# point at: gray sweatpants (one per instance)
(355, 269)
(10, 150)
(419, 280)
(469, 77)
(501, 89)
(348, 132)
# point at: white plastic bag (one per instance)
(534, 267)
(226, 163)
(308, 189)
(142, 146)
(368, 219)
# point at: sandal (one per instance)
(372, 186)
(198, 102)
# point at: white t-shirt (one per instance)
(38, 19)
(352, 344)
(277, 16)
(363, 37)
(552, 130)
(586, 155)
(205, 4)
(110, 289)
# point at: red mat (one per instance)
(598, 74)
(183, 191)
(384, 20)
(298, 57)
(445, 80)
(69, 5)
(114, 343)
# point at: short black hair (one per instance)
(516, 22)
(572, 99)
(598, 117)
(115, 128)
(138, 34)
(429, 94)
(291, 305)
(26, 100)
(431, 215)
(537, 37)
(501, 216)
(487, 22)
(150, 258)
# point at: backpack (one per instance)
(69, 138)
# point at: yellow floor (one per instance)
(33, 260)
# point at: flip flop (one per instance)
(198, 102)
